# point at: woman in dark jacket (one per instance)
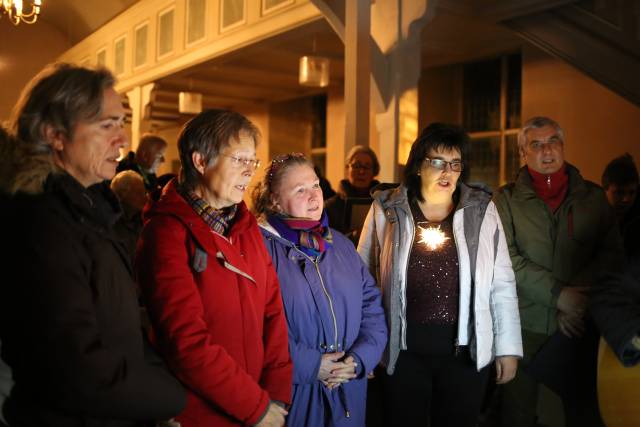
(69, 323)
(334, 313)
(362, 167)
(210, 288)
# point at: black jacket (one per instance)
(69, 320)
(615, 306)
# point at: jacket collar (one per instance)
(524, 187)
(468, 195)
(23, 168)
(172, 203)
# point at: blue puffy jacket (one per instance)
(332, 304)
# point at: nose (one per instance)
(546, 148)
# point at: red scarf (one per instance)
(550, 188)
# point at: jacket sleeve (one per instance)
(372, 337)
(74, 367)
(615, 307)
(368, 245)
(177, 314)
(534, 282)
(277, 371)
(306, 362)
(504, 298)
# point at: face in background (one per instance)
(224, 181)
(544, 151)
(622, 197)
(154, 158)
(299, 193)
(91, 154)
(360, 171)
(439, 185)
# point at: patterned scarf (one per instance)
(310, 236)
(220, 221)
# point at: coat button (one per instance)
(331, 347)
(323, 346)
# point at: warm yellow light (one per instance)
(14, 9)
(432, 237)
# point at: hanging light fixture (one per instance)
(17, 14)
(313, 70)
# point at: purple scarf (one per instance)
(310, 236)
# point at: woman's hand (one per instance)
(506, 367)
(345, 372)
(328, 363)
(274, 416)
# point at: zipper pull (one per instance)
(549, 181)
(456, 351)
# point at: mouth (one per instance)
(444, 183)
(113, 159)
(242, 187)
(548, 161)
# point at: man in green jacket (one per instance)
(561, 232)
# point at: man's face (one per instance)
(622, 197)
(544, 151)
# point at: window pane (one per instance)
(119, 57)
(484, 161)
(141, 46)
(165, 42)
(319, 161)
(268, 4)
(102, 58)
(482, 96)
(513, 158)
(514, 90)
(232, 12)
(196, 19)
(319, 131)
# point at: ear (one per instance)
(54, 137)
(199, 162)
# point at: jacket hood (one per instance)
(23, 168)
(472, 194)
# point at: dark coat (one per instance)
(336, 208)
(69, 320)
(215, 306)
(615, 306)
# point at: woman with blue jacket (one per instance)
(337, 330)
(449, 292)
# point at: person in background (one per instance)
(69, 321)
(615, 305)
(209, 285)
(561, 232)
(146, 160)
(337, 330)
(362, 167)
(128, 186)
(620, 182)
(440, 255)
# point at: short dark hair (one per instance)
(209, 133)
(60, 96)
(436, 136)
(620, 171)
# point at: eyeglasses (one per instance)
(552, 144)
(361, 166)
(247, 163)
(440, 164)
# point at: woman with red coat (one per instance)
(209, 284)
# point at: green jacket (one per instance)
(552, 250)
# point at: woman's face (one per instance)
(299, 193)
(224, 181)
(439, 184)
(361, 171)
(91, 154)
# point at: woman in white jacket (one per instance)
(439, 253)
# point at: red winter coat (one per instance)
(216, 311)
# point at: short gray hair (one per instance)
(357, 149)
(537, 123)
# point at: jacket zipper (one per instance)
(333, 314)
(404, 294)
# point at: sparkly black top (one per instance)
(433, 285)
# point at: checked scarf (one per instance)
(310, 236)
(219, 220)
